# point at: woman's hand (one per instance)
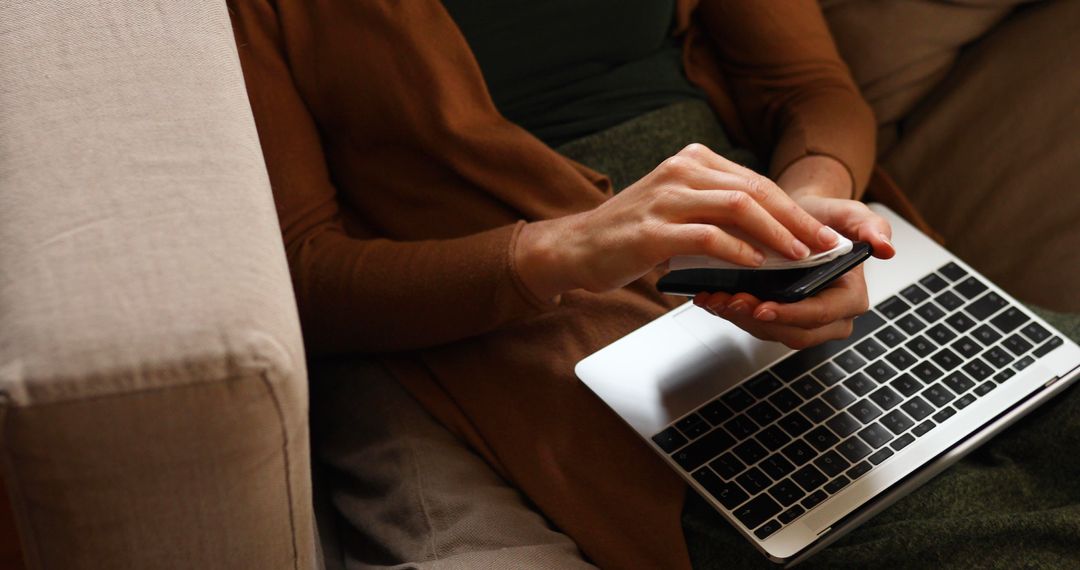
(677, 209)
(829, 314)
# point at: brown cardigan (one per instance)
(400, 190)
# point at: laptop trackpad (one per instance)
(737, 352)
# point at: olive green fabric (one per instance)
(1013, 503)
(564, 69)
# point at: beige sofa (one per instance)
(153, 388)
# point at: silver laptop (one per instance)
(795, 449)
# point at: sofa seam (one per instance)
(288, 465)
(433, 540)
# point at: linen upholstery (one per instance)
(151, 366)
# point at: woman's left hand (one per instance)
(827, 315)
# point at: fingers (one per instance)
(854, 219)
(705, 239)
(845, 299)
(734, 208)
(765, 192)
(794, 337)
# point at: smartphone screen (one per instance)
(784, 285)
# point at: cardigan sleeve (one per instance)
(794, 93)
(370, 294)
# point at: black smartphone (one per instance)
(783, 285)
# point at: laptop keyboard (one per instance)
(778, 444)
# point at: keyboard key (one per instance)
(986, 335)
(776, 467)
(737, 399)
(1009, 320)
(704, 449)
(1004, 375)
(933, 283)
(870, 349)
(964, 401)
(949, 301)
(921, 346)
(809, 478)
(1036, 332)
(886, 398)
(860, 384)
(754, 481)
(766, 530)
(843, 424)
(880, 371)
(849, 361)
(985, 388)
(814, 499)
(914, 294)
(945, 413)
(938, 395)
(917, 408)
(750, 452)
(727, 465)
(906, 384)
(817, 410)
(958, 382)
(763, 413)
(1048, 346)
(821, 438)
(930, 312)
(1016, 344)
(669, 440)
(859, 470)
(890, 336)
(967, 347)
(901, 359)
(786, 492)
(785, 400)
(853, 449)
(791, 514)
(834, 486)
(946, 359)
(997, 357)
(803, 361)
(952, 271)
(865, 411)
(880, 455)
(978, 369)
(773, 438)
(960, 322)
(832, 464)
(970, 287)
(716, 412)
(763, 384)
(839, 397)
(892, 307)
(757, 511)
(926, 372)
(985, 306)
(897, 422)
(829, 373)
(921, 429)
(741, 427)
(807, 387)
(940, 333)
(1023, 363)
(875, 435)
(902, 442)
(692, 426)
(727, 494)
(798, 452)
(794, 424)
(910, 324)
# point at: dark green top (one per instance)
(563, 69)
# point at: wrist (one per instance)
(541, 260)
(817, 175)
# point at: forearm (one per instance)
(819, 175)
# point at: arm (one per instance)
(791, 87)
(364, 294)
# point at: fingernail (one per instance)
(800, 250)
(886, 239)
(711, 311)
(766, 315)
(737, 306)
(827, 236)
(759, 257)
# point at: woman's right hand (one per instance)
(677, 209)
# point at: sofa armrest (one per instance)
(152, 372)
